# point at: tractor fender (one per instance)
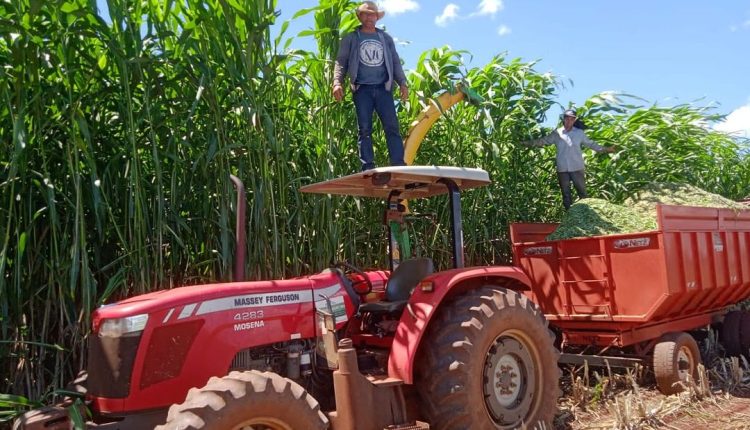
(423, 306)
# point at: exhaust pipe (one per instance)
(240, 238)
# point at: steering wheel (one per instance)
(346, 267)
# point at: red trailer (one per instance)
(641, 292)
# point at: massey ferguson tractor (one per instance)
(344, 349)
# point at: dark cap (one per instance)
(570, 112)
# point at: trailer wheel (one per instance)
(247, 400)
(745, 334)
(730, 333)
(675, 357)
(488, 362)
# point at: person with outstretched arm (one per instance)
(568, 140)
(368, 56)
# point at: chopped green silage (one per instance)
(668, 193)
(597, 217)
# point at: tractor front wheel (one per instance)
(496, 362)
(247, 400)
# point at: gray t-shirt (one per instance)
(371, 60)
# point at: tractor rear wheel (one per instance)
(248, 400)
(488, 362)
(676, 357)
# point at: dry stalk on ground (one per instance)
(616, 401)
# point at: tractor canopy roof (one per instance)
(410, 182)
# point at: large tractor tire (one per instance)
(248, 400)
(730, 333)
(676, 357)
(58, 417)
(488, 362)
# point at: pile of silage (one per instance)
(668, 193)
(597, 217)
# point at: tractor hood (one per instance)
(195, 295)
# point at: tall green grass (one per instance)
(118, 140)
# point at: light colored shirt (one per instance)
(568, 144)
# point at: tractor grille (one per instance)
(167, 350)
(111, 365)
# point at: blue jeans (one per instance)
(579, 182)
(369, 98)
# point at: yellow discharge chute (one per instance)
(429, 115)
(436, 107)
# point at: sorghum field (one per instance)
(119, 131)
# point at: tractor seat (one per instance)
(402, 282)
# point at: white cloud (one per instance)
(503, 30)
(489, 7)
(484, 8)
(450, 13)
(745, 25)
(396, 7)
(737, 123)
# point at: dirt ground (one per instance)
(732, 413)
(652, 410)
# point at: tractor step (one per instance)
(384, 381)
(419, 425)
(356, 394)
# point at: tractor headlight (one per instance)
(120, 327)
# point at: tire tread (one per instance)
(449, 348)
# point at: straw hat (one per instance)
(371, 7)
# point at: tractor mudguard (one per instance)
(423, 306)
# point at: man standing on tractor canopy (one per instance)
(568, 140)
(368, 55)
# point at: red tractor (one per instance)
(408, 348)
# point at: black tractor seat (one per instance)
(400, 285)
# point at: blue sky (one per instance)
(666, 51)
